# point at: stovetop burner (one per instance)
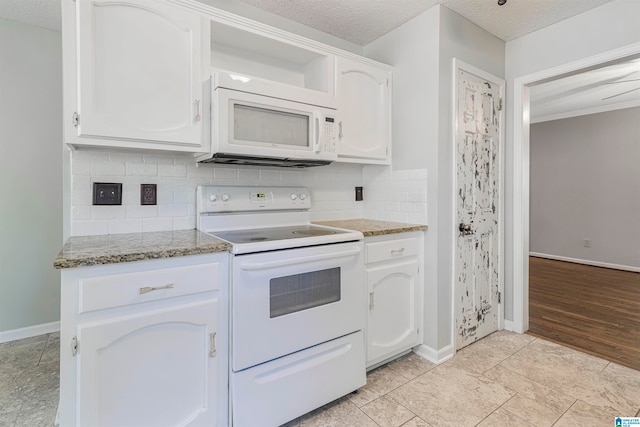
(270, 234)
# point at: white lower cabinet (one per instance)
(145, 343)
(394, 295)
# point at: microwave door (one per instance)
(261, 124)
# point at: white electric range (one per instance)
(297, 302)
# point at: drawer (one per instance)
(115, 290)
(392, 249)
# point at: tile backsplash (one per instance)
(389, 195)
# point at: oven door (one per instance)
(289, 300)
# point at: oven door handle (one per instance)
(252, 266)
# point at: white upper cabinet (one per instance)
(363, 92)
(134, 74)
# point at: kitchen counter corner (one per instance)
(82, 251)
(373, 227)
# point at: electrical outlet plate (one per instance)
(148, 194)
(107, 193)
(359, 195)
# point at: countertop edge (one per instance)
(87, 251)
(373, 227)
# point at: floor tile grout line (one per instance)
(43, 349)
(563, 414)
(561, 391)
(501, 405)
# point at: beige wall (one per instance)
(585, 184)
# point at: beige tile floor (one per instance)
(503, 380)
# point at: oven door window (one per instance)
(303, 291)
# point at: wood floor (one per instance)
(593, 309)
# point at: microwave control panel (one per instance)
(329, 135)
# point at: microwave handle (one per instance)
(319, 131)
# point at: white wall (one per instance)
(30, 174)
(422, 52)
(605, 28)
(585, 184)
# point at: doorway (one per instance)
(521, 158)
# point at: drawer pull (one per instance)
(371, 304)
(397, 251)
(148, 289)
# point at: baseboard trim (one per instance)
(587, 262)
(433, 355)
(29, 331)
(508, 325)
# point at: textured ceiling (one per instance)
(41, 13)
(362, 21)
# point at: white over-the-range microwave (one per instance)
(258, 122)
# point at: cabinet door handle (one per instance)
(148, 289)
(397, 251)
(371, 305)
(212, 345)
(197, 102)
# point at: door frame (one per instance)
(461, 65)
(521, 164)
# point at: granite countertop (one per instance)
(373, 227)
(81, 251)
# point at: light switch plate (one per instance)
(107, 193)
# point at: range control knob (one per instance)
(225, 198)
(293, 196)
(213, 197)
(303, 196)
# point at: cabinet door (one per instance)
(363, 106)
(139, 72)
(392, 315)
(153, 369)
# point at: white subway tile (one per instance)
(184, 223)
(158, 159)
(417, 197)
(293, 178)
(80, 213)
(107, 212)
(269, 177)
(174, 210)
(116, 156)
(101, 168)
(79, 166)
(225, 173)
(128, 225)
(81, 182)
(81, 197)
(89, 228)
(204, 171)
(417, 174)
(248, 176)
(171, 170)
(141, 169)
(148, 211)
(157, 224)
